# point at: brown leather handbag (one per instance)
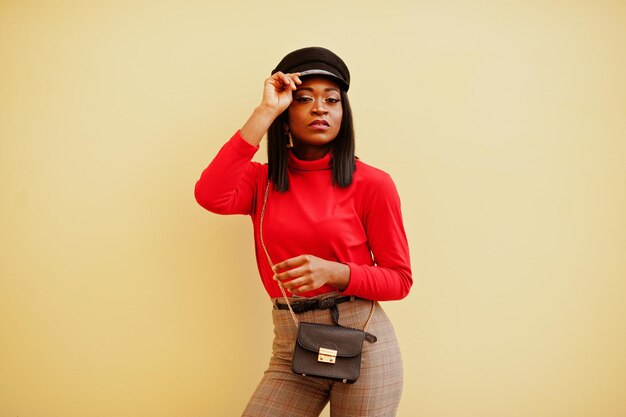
(323, 350)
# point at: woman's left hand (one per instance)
(307, 273)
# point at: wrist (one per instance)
(266, 113)
(341, 277)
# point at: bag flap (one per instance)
(347, 342)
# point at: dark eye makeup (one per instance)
(304, 99)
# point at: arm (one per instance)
(277, 96)
(390, 278)
(227, 185)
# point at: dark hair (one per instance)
(342, 148)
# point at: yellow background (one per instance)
(502, 123)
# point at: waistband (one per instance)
(308, 304)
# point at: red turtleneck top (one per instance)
(360, 226)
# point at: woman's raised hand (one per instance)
(277, 96)
(278, 89)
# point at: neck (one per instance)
(310, 153)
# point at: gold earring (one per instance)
(288, 132)
(290, 144)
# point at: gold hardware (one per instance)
(288, 133)
(327, 355)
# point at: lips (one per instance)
(320, 123)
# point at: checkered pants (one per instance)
(376, 393)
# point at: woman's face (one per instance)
(315, 114)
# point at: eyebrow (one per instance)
(326, 89)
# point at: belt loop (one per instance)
(334, 314)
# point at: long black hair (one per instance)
(342, 148)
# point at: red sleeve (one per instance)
(228, 184)
(390, 278)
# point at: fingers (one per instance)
(299, 274)
(286, 81)
(291, 263)
(278, 89)
(299, 285)
(295, 270)
(292, 274)
(301, 289)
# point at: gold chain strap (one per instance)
(280, 284)
(269, 259)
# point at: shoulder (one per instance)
(373, 187)
(375, 191)
(369, 176)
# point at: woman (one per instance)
(333, 225)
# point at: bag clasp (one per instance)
(327, 355)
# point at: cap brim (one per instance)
(344, 85)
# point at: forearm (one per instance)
(379, 283)
(390, 276)
(257, 124)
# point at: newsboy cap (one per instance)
(316, 61)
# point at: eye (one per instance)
(302, 99)
(333, 100)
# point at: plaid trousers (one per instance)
(376, 393)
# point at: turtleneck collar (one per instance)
(315, 165)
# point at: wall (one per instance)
(502, 124)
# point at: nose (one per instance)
(319, 107)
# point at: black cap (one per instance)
(316, 61)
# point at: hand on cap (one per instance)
(277, 96)
(277, 93)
